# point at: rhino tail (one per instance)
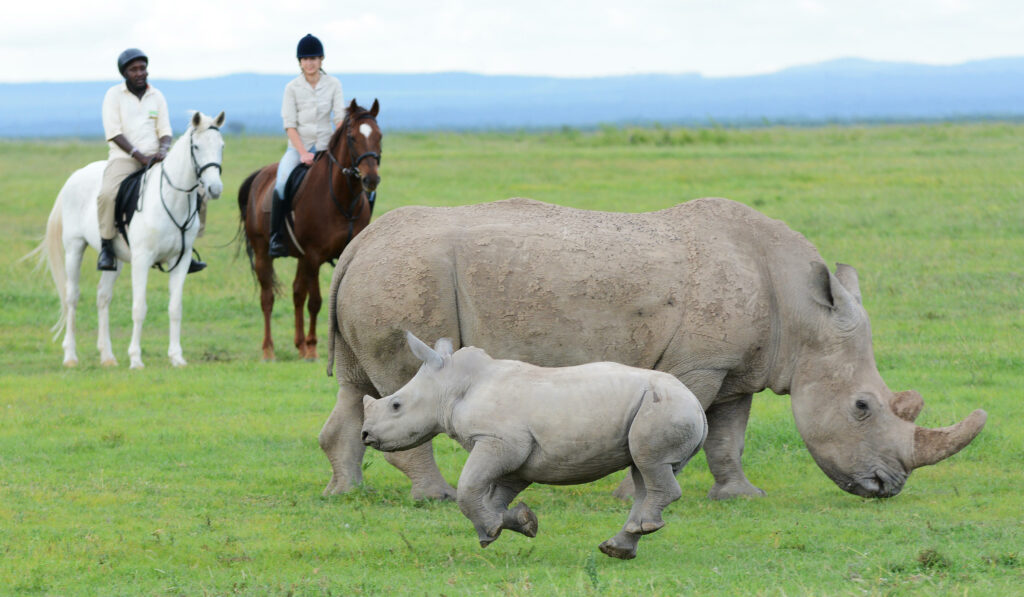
(333, 328)
(657, 389)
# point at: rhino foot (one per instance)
(725, 491)
(645, 527)
(610, 548)
(437, 491)
(522, 520)
(488, 538)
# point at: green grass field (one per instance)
(206, 480)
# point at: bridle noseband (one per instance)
(353, 170)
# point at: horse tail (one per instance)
(50, 254)
(243, 208)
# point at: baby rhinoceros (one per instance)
(525, 424)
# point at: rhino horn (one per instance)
(933, 445)
(907, 405)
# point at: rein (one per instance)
(191, 214)
(350, 173)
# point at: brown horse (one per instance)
(332, 205)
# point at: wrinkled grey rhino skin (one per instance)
(725, 299)
(524, 424)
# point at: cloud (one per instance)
(71, 40)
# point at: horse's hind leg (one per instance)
(104, 294)
(264, 269)
(72, 292)
(176, 284)
(313, 305)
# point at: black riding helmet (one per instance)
(309, 47)
(128, 56)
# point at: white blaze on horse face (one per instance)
(365, 129)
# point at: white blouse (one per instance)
(308, 109)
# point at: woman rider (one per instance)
(309, 100)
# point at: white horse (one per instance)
(161, 232)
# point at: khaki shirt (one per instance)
(307, 109)
(141, 121)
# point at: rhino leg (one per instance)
(340, 440)
(656, 488)
(484, 496)
(727, 422)
(519, 519)
(623, 545)
(419, 465)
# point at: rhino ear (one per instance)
(848, 278)
(423, 352)
(907, 405)
(444, 347)
(821, 291)
(828, 291)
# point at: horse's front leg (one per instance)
(264, 268)
(140, 275)
(300, 290)
(176, 285)
(315, 301)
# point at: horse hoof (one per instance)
(137, 365)
(178, 362)
(109, 362)
(71, 363)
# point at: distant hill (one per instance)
(846, 90)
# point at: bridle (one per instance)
(193, 213)
(351, 174)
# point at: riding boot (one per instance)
(278, 211)
(107, 260)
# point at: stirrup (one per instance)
(277, 248)
(197, 264)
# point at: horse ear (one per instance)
(219, 121)
(196, 118)
(376, 108)
(352, 106)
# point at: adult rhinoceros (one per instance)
(727, 300)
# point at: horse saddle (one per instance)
(291, 186)
(127, 201)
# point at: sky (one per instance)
(71, 40)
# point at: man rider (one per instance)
(138, 130)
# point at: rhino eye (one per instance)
(396, 405)
(863, 409)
